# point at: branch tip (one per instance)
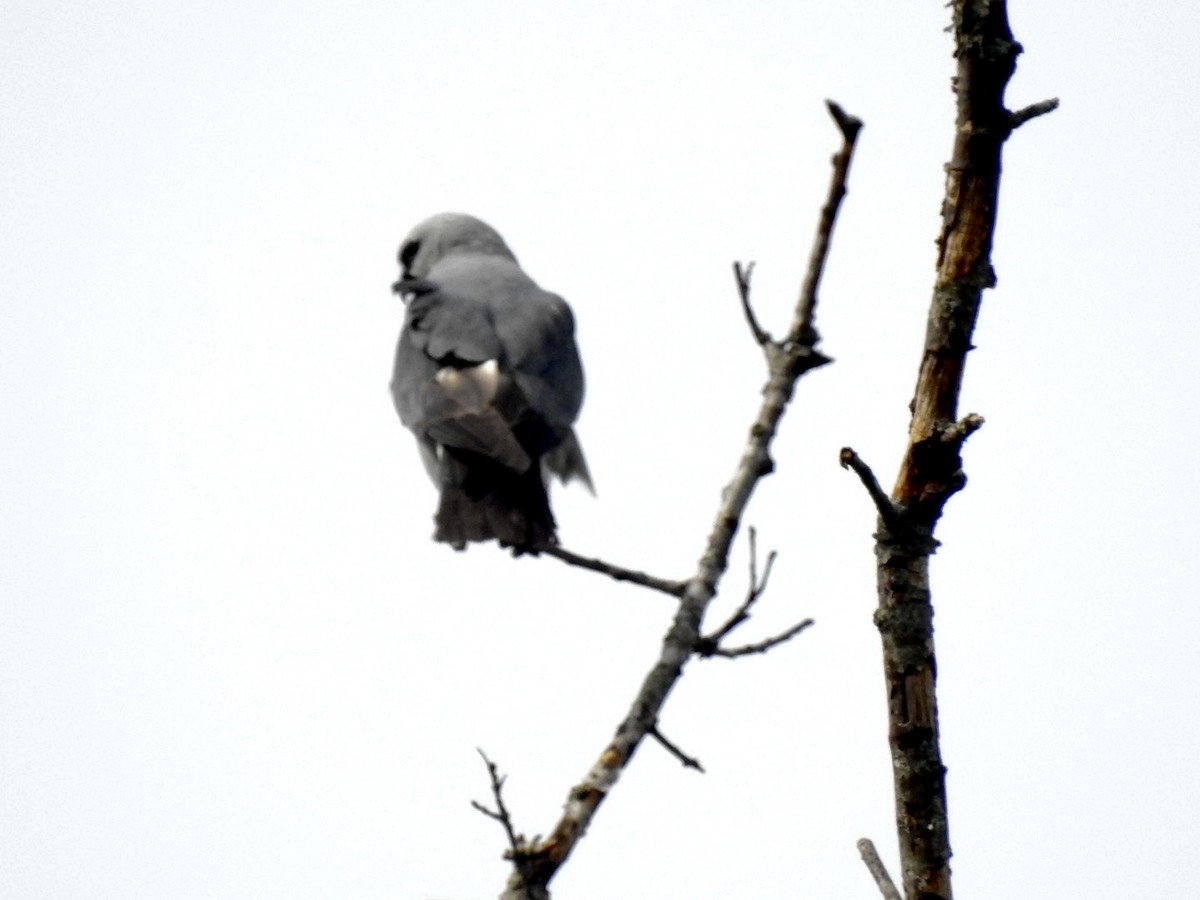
(520, 852)
(1032, 111)
(742, 274)
(847, 124)
(710, 645)
(688, 762)
(760, 646)
(958, 432)
(879, 872)
(500, 813)
(803, 330)
(848, 459)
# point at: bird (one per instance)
(489, 380)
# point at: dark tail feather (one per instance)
(481, 501)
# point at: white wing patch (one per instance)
(472, 388)
(465, 415)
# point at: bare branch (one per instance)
(707, 645)
(883, 503)
(689, 762)
(803, 331)
(847, 124)
(742, 275)
(883, 881)
(710, 645)
(786, 362)
(518, 849)
(674, 588)
(761, 646)
(956, 433)
(932, 468)
(1032, 111)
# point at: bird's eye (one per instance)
(407, 254)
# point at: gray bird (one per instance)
(489, 380)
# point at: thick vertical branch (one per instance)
(931, 470)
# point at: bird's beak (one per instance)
(408, 287)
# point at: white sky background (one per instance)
(233, 664)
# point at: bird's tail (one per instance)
(482, 500)
(567, 462)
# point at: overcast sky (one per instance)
(234, 666)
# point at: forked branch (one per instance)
(518, 851)
(931, 471)
(787, 361)
(711, 645)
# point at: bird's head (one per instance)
(444, 235)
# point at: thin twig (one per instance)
(742, 274)
(708, 644)
(689, 762)
(883, 881)
(519, 852)
(674, 588)
(1032, 111)
(761, 646)
(931, 471)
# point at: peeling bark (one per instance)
(931, 471)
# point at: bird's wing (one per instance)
(448, 384)
(537, 331)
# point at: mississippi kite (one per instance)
(489, 380)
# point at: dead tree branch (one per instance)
(500, 813)
(619, 573)
(803, 331)
(758, 646)
(742, 274)
(1032, 111)
(931, 471)
(883, 881)
(708, 644)
(689, 762)
(787, 362)
(883, 503)
(518, 851)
